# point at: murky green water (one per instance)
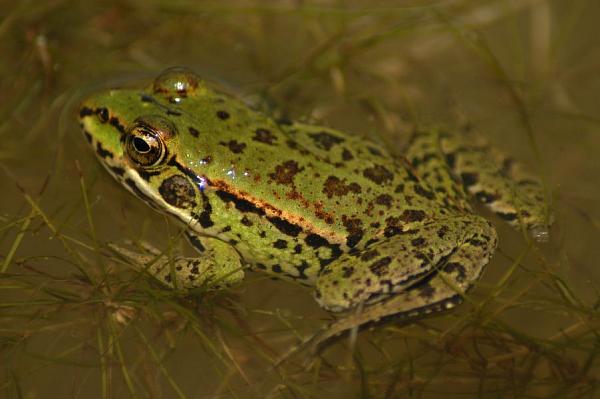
(75, 323)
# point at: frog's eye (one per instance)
(177, 82)
(145, 141)
(144, 147)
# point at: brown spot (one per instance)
(393, 226)
(454, 267)
(194, 132)
(348, 271)
(284, 173)
(206, 160)
(234, 146)
(422, 192)
(375, 151)
(223, 115)
(334, 186)
(369, 255)
(442, 231)
(426, 291)
(264, 136)
(246, 222)
(469, 179)
(412, 215)
(355, 231)
(384, 199)
(325, 140)
(347, 155)
(320, 212)
(295, 146)
(380, 267)
(378, 174)
(418, 242)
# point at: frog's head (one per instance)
(137, 139)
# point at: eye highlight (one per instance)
(145, 141)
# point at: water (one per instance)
(75, 322)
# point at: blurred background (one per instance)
(74, 322)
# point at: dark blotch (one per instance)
(378, 174)
(423, 193)
(412, 215)
(374, 151)
(347, 155)
(234, 146)
(114, 121)
(418, 242)
(264, 136)
(284, 173)
(369, 255)
(333, 186)
(241, 204)
(469, 179)
(280, 244)
(325, 140)
(347, 271)
(246, 222)
(178, 191)
(102, 153)
(85, 111)
(380, 267)
(315, 241)
(384, 199)
(223, 115)
(355, 231)
(194, 132)
(285, 227)
(458, 269)
(204, 217)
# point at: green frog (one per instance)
(389, 235)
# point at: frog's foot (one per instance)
(429, 268)
(497, 181)
(218, 267)
(409, 282)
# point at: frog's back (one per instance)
(317, 180)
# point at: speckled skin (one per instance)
(307, 202)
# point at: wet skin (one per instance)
(309, 203)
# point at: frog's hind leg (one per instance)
(419, 271)
(440, 272)
(497, 181)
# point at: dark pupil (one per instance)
(140, 145)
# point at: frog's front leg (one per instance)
(218, 265)
(413, 272)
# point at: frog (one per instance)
(378, 234)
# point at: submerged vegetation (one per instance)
(75, 320)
